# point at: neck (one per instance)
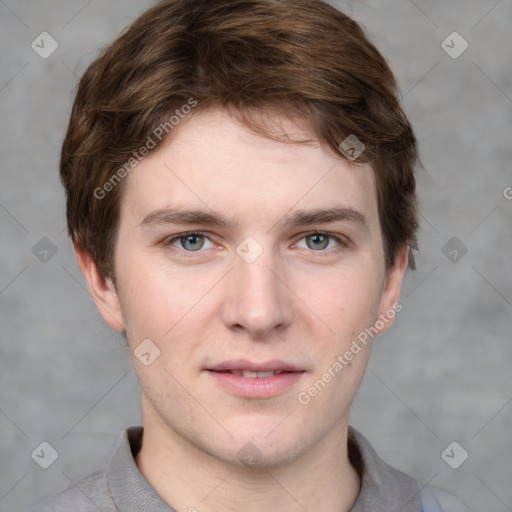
(189, 479)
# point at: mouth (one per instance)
(255, 380)
(247, 374)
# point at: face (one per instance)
(251, 266)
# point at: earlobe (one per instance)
(389, 303)
(102, 289)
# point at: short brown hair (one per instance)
(301, 56)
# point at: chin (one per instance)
(255, 455)
(266, 448)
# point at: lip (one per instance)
(244, 364)
(265, 387)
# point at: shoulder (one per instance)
(385, 485)
(447, 501)
(392, 489)
(428, 501)
(89, 494)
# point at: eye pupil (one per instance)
(192, 242)
(317, 241)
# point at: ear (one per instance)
(102, 289)
(389, 305)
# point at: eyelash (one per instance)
(342, 241)
(168, 242)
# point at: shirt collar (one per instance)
(130, 490)
(383, 488)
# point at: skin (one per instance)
(302, 301)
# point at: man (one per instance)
(241, 198)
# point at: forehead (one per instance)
(212, 161)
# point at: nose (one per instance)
(257, 299)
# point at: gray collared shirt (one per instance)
(120, 487)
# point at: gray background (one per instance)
(441, 374)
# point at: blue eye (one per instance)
(317, 241)
(197, 242)
(190, 242)
(321, 241)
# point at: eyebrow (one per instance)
(294, 219)
(325, 216)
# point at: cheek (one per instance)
(143, 301)
(152, 298)
(168, 311)
(345, 301)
